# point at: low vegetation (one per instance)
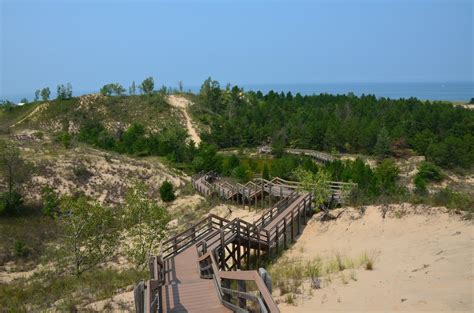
(290, 274)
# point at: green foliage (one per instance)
(420, 185)
(440, 131)
(114, 88)
(146, 223)
(45, 93)
(207, 159)
(14, 171)
(46, 290)
(50, 201)
(427, 172)
(90, 233)
(265, 172)
(170, 142)
(210, 94)
(64, 92)
(21, 250)
(315, 183)
(66, 139)
(132, 90)
(167, 192)
(382, 147)
(37, 94)
(10, 203)
(386, 175)
(147, 86)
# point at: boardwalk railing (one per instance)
(225, 247)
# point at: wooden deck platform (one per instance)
(185, 290)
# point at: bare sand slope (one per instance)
(425, 261)
(182, 104)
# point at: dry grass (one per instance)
(289, 275)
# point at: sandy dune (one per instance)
(425, 261)
(182, 104)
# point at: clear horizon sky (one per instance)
(91, 43)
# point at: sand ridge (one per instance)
(425, 261)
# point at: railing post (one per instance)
(284, 233)
(259, 247)
(222, 251)
(242, 288)
(277, 239)
(248, 248)
(268, 245)
(292, 226)
(298, 216)
(175, 245)
(226, 284)
(304, 211)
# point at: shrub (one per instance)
(20, 250)
(50, 201)
(430, 172)
(368, 260)
(81, 172)
(420, 184)
(167, 192)
(66, 140)
(10, 203)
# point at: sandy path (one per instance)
(182, 104)
(425, 262)
(39, 108)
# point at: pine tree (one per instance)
(382, 147)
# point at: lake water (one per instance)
(462, 91)
(425, 91)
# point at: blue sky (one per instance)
(91, 43)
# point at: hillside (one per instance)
(115, 113)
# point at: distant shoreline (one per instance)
(460, 92)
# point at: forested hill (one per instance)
(442, 132)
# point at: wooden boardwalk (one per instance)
(196, 269)
(184, 290)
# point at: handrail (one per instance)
(253, 275)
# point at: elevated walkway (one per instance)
(212, 265)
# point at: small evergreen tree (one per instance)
(50, 200)
(45, 92)
(147, 86)
(382, 147)
(167, 192)
(37, 94)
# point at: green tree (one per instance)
(45, 93)
(91, 233)
(109, 89)
(430, 172)
(147, 86)
(167, 192)
(386, 175)
(37, 94)
(146, 223)
(207, 158)
(317, 184)
(14, 172)
(132, 90)
(382, 147)
(51, 201)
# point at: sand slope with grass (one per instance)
(423, 262)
